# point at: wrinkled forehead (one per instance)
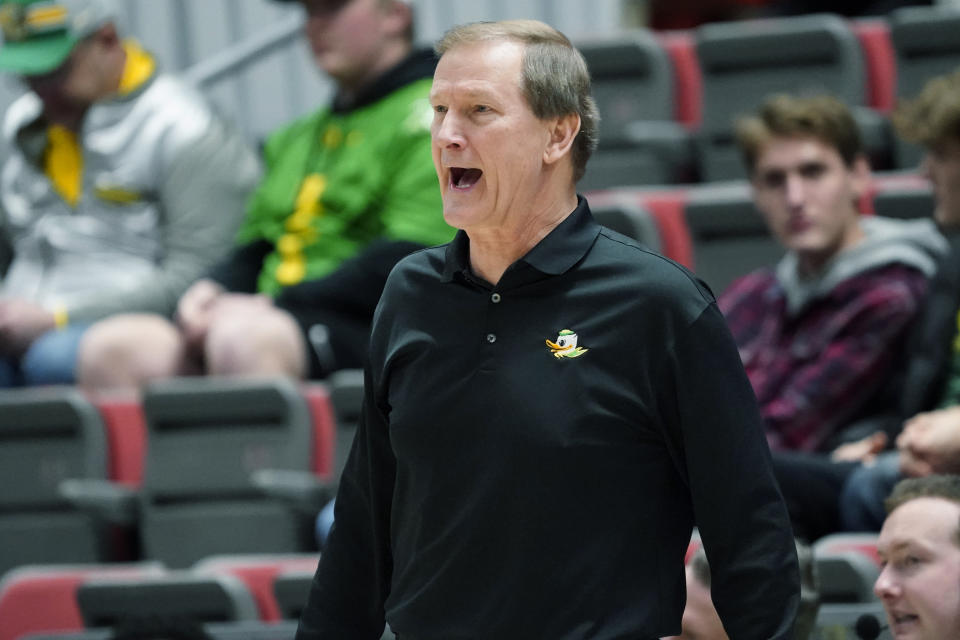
(484, 68)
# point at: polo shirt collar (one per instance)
(562, 248)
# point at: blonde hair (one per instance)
(784, 116)
(934, 115)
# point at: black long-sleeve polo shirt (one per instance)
(502, 488)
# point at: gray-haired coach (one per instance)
(549, 407)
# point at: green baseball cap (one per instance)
(38, 35)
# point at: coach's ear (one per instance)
(563, 131)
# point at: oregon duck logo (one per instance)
(566, 345)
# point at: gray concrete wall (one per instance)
(284, 84)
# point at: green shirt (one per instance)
(337, 181)
(951, 394)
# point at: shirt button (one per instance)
(491, 338)
(495, 298)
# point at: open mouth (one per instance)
(463, 177)
(903, 621)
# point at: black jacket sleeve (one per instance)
(355, 286)
(238, 272)
(738, 507)
(353, 579)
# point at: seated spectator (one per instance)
(927, 387)
(919, 548)
(819, 334)
(349, 190)
(118, 184)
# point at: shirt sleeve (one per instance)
(240, 269)
(353, 578)
(202, 201)
(738, 507)
(821, 394)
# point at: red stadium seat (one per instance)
(881, 63)
(126, 437)
(666, 207)
(324, 428)
(259, 572)
(688, 83)
(863, 543)
(39, 598)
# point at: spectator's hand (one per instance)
(22, 322)
(863, 450)
(930, 443)
(194, 311)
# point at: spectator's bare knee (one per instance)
(266, 341)
(125, 351)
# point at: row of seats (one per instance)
(52, 599)
(668, 100)
(196, 467)
(715, 229)
(274, 588)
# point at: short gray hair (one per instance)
(554, 77)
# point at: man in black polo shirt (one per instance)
(549, 407)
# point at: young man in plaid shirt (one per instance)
(820, 332)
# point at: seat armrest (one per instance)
(103, 499)
(304, 490)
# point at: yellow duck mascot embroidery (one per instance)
(566, 345)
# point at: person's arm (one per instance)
(202, 199)
(740, 513)
(930, 443)
(355, 286)
(353, 579)
(820, 396)
(240, 269)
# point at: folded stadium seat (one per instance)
(105, 602)
(324, 421)
(730, 237)
(126, 435)
(744, 62)
(862, 543)
(926, 45)
(640, 142)
(258, 573)
(291, 588)
(346, 394)
(628, 217)
(907, 196)
(228, 470)
(42, 598)
(687, 80)
(879, 60)
(845, 576)
(48, 435)
(665, 207)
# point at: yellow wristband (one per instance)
(60, 317)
